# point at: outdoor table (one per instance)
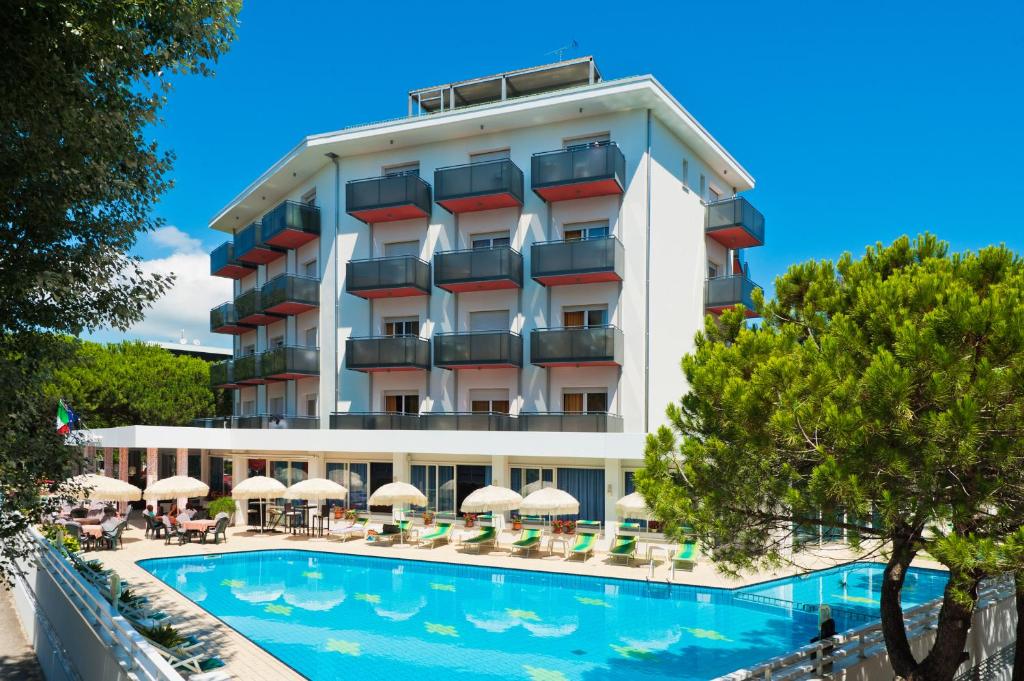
(95, 531)
(94, 520)
(199, 526)
(562, 540)
(316, 526)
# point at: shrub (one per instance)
(164, 635)
(221, 505)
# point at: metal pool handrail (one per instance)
(131, 650)
(858, 644)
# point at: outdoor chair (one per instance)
(175, 531)
(112, 538)
(443, 534)
(219, 529)
(586, 538)
(685, 557)
(528, 541)
(488, 536)
(356, 529)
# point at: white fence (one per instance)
(860, 655)
(76, 635)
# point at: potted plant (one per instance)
(338, 512)
(517, 523)
(351, 514)
(470, 519)
(428, 517)
(568, 527)
(556, 526)
(222, 505)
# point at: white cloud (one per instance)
(186, 306)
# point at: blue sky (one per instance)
(860, 121)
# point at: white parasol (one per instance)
(258, 487)
(549, 501)
(175, 487)
(633, 506)
(491, 498)
(103, 488)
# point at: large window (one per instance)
(490, 240)
(402, 326)
(587, 485)
(586, 230)
(483, 401)
(437, 482)
(220, 476)
(167, 463)
(380, 474)
(353, 477)
(585, 400)
(585, 317)
(195, 464)
(401, 403)
(530, 479)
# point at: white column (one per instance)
(401, 467)
(499, 471)
(181, 466)
(239, 472)
(612, 489)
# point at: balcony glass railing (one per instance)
(224, 319)
(465, 420)
(223, 263)
(405, 274)
(479, 269)
(290, 361)
(247, 368)
(601, 164)
(376, 420)
(290, 294)
(478, 349)
(275, 421)
(211, 422)
(378, 353)
(735, 222)
(222, 373)
(725, 292)
(570, 422)
(291, 224)
(568, 346)
(248, 304)
(577, 260)
(251, 247)
(494, 184)
(392, 197)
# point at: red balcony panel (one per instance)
(291, 238)
(719, 309)
(468, 286)
(259, 319)
(474, 203)
(580, 190)
(596, 363)
(236, 329)
(401, 292)
(289, 308)
(258, 255)
(459, 367)
(375, 370)
(254, 381)
(287, 375)
(390, 214)
(735, 238)
(584, 278)
(230, 271)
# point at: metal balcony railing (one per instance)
(570, 422)
(275, 421)
(222, 374)
(381, 353)
(251, 247)
(479, 269)
(376, 420)
(290, 361)
(391, 197)
(578, 260)
(466, 420)
(601, 162)
(290, 294)
(729, 291)
(570, 346)
(735, 222)
(247, 368)
(405, 274)
(494, 184)
(223, 263)
(290, 224)
(478, 349)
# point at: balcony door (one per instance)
(400, 248)
(489, 320)
(584, 317)
(585, 401)
(527, 479)
(488, 401)
(437, 482)
(402, 169)
(402, 403)
(490, 240)
(583, 231)
(402, 326)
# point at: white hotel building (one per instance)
(496, 288)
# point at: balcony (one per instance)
(249, 309)
(374, 420)
(290, 362)
(479, 186)
(576, 346)
(222, 374)
(288, 294)
(251, 248)
(387, 353)
(578, 261)
(478, 350)
(291, 224)
(465, 420)
(387, 199)
(735, 223)
(247, 370)
(579, 172)
(479, 269)
(275, 421)
(399, 276)
(211, 422)
(723, 293)
(223, 263)
(570, 422)
(223, 319)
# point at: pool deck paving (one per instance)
(246, 660)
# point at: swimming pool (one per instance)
(330, 615)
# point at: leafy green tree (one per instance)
(81, 83)
(884, 396)
(131, 383)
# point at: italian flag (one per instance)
(63, 419)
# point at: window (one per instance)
(277, 405)
(402, 169)
(489, 320)
(585, 317)
(402, 326)
(490, 240)
(248, 349)
(713, 194)
(587, 230)
(167, 463)
(528, 479)
(309, 198)
(713, 269)
(195, 464)
(485, 156)
(220, 476)
(312, 404)
(585, 401)
(703, 185)
(586, 140)
(248, 407)
(290, 472)
(686, 173)
(276, 341)
(398, 248)
(488, 401)
(398, 403)
(437, 482)
(310, 336)
(311, 268)
(353, 477)
(381, 474)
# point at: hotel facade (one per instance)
(496, 288)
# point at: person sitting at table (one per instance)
(173, 513)
(187, 514)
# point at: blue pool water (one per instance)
(337, 616)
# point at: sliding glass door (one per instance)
(437, 482)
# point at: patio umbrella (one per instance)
(536, 485)
(258, 487)
(102, 488)
(633, 506)
(176, 487)
(396, 494)
(549, 501)
(491, 498)
(316, 489)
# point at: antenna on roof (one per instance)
(563, 49)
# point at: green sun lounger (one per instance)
(443, 533)
(487, 536)
(391, 532)
(584, 545)
(528, 541)
(686, 556)
(623, 547)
